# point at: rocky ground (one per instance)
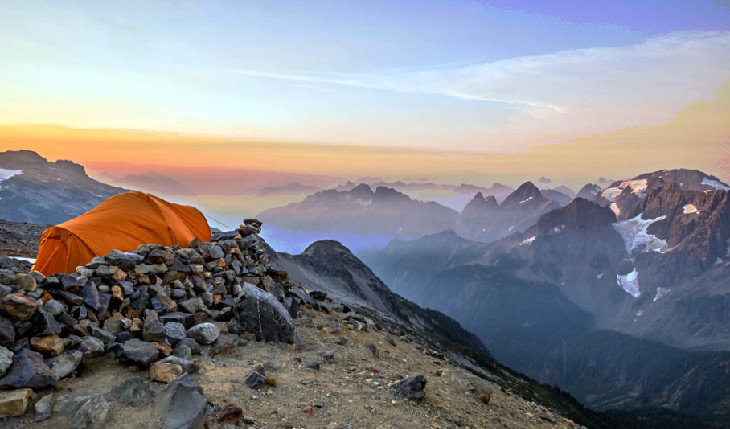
(213, 336)
(350, 390)
(20, 238)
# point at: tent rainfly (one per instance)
(122, 222)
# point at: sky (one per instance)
(453, 90)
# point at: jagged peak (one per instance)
(526, 192)
(20, 158)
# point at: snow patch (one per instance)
(640, 313)
(660, 292)
(614, 208)
(689, 209)
(527, 241)
(599, 276)
(7, 174)
(633, 231)
(637, 188)
(629, 283)
(526, 200)
(715, 184)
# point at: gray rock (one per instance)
(65, 363)
(193, 305)
(44, 323)
(153, 329)
(91, 347)
(28, 370)
(90, 294)
(6, 359)
(124, 260)
(54, 307)
(292, 306)
(44, 407)
(259, 313)
(255, 380)
(134, 391)
(205, 333)
(412, 387)
(89, 412)
(186, 319)
(7, 332)
(138, 352)
(189, 366)
(182, 404)
(102, 334)
(175, 332)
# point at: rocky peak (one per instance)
(527, 193)
(362, 192)
(589, 191)
(580, 215)
(384, 194)
(20, 159)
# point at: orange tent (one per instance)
(122, 222)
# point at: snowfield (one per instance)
(634, 233)
(637, 187)
(629, 283)
(527, 241)
(7, 174)
(715, 184)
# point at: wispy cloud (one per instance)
(600, 87)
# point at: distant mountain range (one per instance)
(35, 190)
(623, 299)
(293, 188)
(388, 212)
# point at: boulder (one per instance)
(182, 404)
(88, 411)
(28, 370)
(412, 387)
(25, 281)
(65, 363)
(18, 306)
(91, 346)
(13, 403)
(260, 314)
(138, 352)
(134, 391)
(49, 345)
(90, 294)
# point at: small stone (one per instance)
(314, 365)
(50, 345)
(6, 359)
(255, 380)
(18, 306)
(13, 403)
(7, 332)
(230, 414)
(485, 396)
(44, 323)
(341, 341)
(205, 333)
(165, 372)
(318, 295)
(91, 346)
(412, 387)
(26, 282)
(187, 365)
(328, 356)
(66, 363)
(175, 332)
(44, 407)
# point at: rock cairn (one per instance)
(153, 308)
